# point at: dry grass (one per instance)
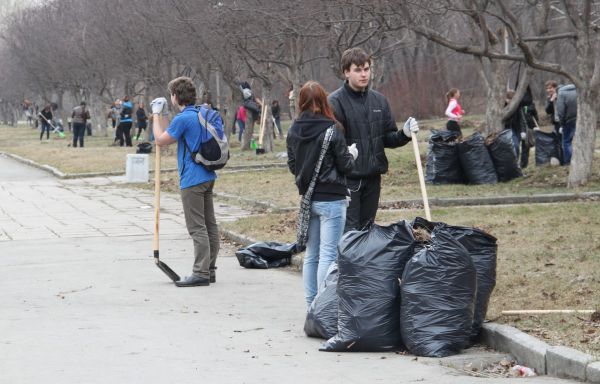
(548, 258)
(401, 182)
(99, 155)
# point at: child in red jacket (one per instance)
(453, 111)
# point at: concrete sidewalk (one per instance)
(82, 301)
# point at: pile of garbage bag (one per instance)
(474, 160)
(419, 285)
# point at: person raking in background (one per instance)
(45, 119)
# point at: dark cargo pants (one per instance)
(200, 220)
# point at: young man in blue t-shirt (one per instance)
(195, 181)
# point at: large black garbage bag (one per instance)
(438, 294)
(443, 163)
(370, 263)
(266, 254)
(475, 161)
(546, 147)
(322, 316)
(483, 249)
(504, 157)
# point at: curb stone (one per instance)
(592, 372)
(495, 200)
(557, 361)
(567, 362)
(525, 348)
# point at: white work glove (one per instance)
(523, 136)
(411, 126)
(158, 106)
(560, 130)
(353, 151)
(536, 128)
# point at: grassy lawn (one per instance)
(401, 182)
(548, 258)
(99, 155)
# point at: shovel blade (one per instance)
(167, 270)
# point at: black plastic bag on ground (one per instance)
(322, 316)
(443, 163)
(504, 157)
(144, 147)
(483, 249)
(475, 161)
(369, 264)
(546, 147)
(438, 294)
(266, 254)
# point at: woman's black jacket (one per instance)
(304, 142)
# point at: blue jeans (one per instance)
(567, 141)
(277, 121)
(241, 126)
(325, 228)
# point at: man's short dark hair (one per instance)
(184, 89)
(82, 103)
(355, 56)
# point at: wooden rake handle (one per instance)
(156, 195)
(421, 178)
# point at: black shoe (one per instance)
(213, 275)
(193, 281)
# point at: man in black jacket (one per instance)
(368, 123)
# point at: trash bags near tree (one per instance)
(443, 164)
(369, 263)
(475, 161)
(504, 157)
(437, 297)
(267, 254)
(546, 147)
(321, 318)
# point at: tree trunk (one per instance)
(232, 107)
(585, 137)
(495, 75)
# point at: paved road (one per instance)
(82, 302)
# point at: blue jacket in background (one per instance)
(127, 107)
